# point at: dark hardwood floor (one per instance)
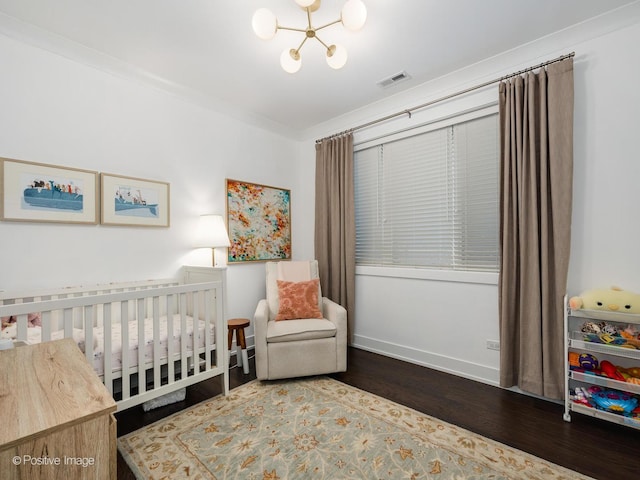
(593, 447)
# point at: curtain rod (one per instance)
(408, 111)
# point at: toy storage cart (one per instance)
(610, 399)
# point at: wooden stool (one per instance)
(238, 325)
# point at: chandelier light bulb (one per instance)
(305, 3)
(354, 15)
(336, 56)
(290, 61)
(264, 23)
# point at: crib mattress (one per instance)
(35, 335)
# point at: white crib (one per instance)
(124, 330)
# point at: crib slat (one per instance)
(156, 343)
(207, 329)
(88, 333)
(142, 378)
(21, 329)
(170, 346)
(67, 316)
(46, 319)
(222, 359)
(195, 297)
(124, 350)
(107, 339)
(183, 337)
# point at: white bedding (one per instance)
(35, 336)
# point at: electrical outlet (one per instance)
(493, 345)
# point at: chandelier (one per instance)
(353, 15)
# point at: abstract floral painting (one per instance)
(258, 222)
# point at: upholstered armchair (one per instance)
(298, 332)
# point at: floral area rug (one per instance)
(319, 428)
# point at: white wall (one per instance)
(62, 112)
(57, 111)
(443, 320)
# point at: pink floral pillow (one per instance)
(298, 300)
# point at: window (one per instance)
(430, 199)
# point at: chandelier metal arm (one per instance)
(303, 30)
(300, 46)
(323, 44)
(328, 24)
(308, 9)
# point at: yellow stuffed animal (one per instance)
(612, 299)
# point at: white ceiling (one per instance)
(207, 49)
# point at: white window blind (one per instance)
(431, 199)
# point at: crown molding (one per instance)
(37, 37)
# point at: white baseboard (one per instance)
(442, 363)
(454, 366)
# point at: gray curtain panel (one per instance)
(536, 174)
(335, 226)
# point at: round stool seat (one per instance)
(235, 323)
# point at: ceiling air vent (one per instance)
(393, 79)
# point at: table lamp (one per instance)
(212, 233)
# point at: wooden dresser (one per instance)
(56, 417)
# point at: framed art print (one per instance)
(258, 222)
(134, 201)
(38, 192)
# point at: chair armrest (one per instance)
(260, 320)
(334, 312)
(337, 314)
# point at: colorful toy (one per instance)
(609, 329)
(581, 395)
(574, 359)
(588, 361)
(590, 327)
(631, 371)
(615, 402)
(611, 339)
(611, 334)
(630, 333)
(608, 369)
(612, 299)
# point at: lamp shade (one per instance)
(354, 14)
(211, 232)
(264, 23)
